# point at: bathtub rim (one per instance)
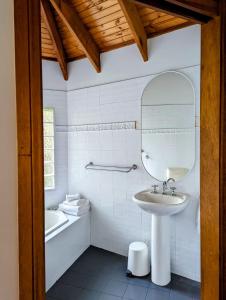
(59, 223)
(71, 220)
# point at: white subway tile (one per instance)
(115, 219)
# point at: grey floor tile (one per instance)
(165, 288)
(97, 283)
(101, 275)
(135, 292)
(89, 295)
(64, 292)
(156, 294)
(92, 267)
(109, 297)
(177, 295)
(74, 278)
(119, 275)
(116, 288)
(197, 293)
(197, 297)
(145, 281)
(183, 287)
(180, 279)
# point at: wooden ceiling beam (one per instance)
(175, 10)
(133, 19)
(205, 7)
(56, 39)
(74, 24)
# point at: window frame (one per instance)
(52, 188)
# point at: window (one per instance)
(49, 170)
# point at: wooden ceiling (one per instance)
(74, 29)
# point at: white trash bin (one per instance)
(138, 260)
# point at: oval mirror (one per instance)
(168, 126)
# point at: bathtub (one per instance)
(66, 238)
(54, 220)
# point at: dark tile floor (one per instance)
(100, 275)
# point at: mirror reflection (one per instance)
(168, 126)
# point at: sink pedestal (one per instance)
(160, 250)
(162, 206)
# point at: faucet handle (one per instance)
(155, 186)
(173, 189)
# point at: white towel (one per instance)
(176, 173)
(70, 198)
(74, 210)
(79, 214)
(79, 202)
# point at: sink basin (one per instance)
(159, 204)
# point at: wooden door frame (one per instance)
(30, 154)
(213, 157)
(210, 152)
(30, 149)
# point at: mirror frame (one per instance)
(141, 117)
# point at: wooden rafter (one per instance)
(205, 7)
(174, 10)
(74, 24)
(56, 39)
(133, 19)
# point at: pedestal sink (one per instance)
(161, 206)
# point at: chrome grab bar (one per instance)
(92, 166)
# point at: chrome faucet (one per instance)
(154, 191)
(164, 185)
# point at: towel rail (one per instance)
(92, 166)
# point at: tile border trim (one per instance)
(97, 127)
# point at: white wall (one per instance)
(174, 50)
(55, 96)
(114, 95)
(8, 157)
(116, 221)
(58, 101)
(52, 78)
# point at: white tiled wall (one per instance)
(169, 51)
(116, 220)
(52, 77)
(57, 100)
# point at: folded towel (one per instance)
(176, 173)
(79, 214)
(74, 210)
(79, 202)
(70, 198)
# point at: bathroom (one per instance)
(99, 119)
